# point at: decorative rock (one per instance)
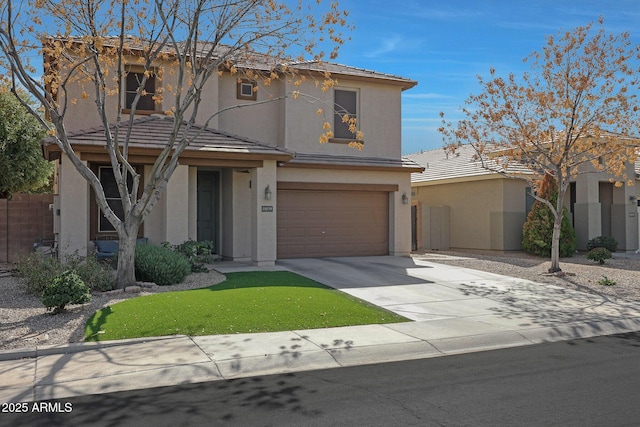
(132, 289)
(147, 284)
(115, 291)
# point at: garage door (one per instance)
(314, 223)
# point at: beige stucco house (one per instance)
(458, 204)
(256, 181)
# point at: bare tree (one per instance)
(571, 114)
(199, 39)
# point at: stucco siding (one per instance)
(378, 119)
(258, 120)
(74, 210)
(477, 220)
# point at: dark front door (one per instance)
(414, 228)
(208, 206)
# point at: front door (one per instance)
(414, 228)
(208, 206)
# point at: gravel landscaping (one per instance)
(578, 272)
(24, 322)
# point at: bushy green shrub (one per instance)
(537, 232)
(603, 242)
(160, 265)
(38, 270)
(599, 254)
(198, 254)
(67, 288)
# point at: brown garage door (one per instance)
(315, 223)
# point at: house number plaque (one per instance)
(267, 209)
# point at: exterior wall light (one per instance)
(267, 193)
(405, 199)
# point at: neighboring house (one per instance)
(257, 182)
(458, 204)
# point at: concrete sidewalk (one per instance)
(455, 310)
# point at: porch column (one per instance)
(177, 207)
(587, 210)
(400, 219)
(263, 214)
(73, 199)
(193, 204)
(624, 220)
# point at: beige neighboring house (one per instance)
(257, 182)
(457, 204)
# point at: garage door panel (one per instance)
(315, 223)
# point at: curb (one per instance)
(48, 350)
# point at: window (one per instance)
(345, 102)
(246, 89)
(529, 199)
(108, 181)
(133, 80)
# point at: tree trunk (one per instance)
(557, 227)
(126, 273)
(555, 243)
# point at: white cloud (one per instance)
(388, 45)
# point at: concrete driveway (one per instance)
(454, 297)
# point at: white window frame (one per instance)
(240, 90)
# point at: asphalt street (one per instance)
(586, 382)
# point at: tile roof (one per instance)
(382, 163)
(265, 62)
(346, 70)
(439, 166)
(153, 131)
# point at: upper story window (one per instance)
(345, 103)
(246, 89)
(133, 81)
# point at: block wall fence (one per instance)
(24, 219)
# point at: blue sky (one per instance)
(445, 45)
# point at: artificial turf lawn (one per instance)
(245, 302)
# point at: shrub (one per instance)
(599, 254)
(605, 281)
(67, 288)
(537, 231)
(98, 276)
(603, 242)
(160, 265)
(38, 270)
(198, 253)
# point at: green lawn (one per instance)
(245, 302)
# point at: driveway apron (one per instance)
(422, 290)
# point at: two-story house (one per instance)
(256, 181)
